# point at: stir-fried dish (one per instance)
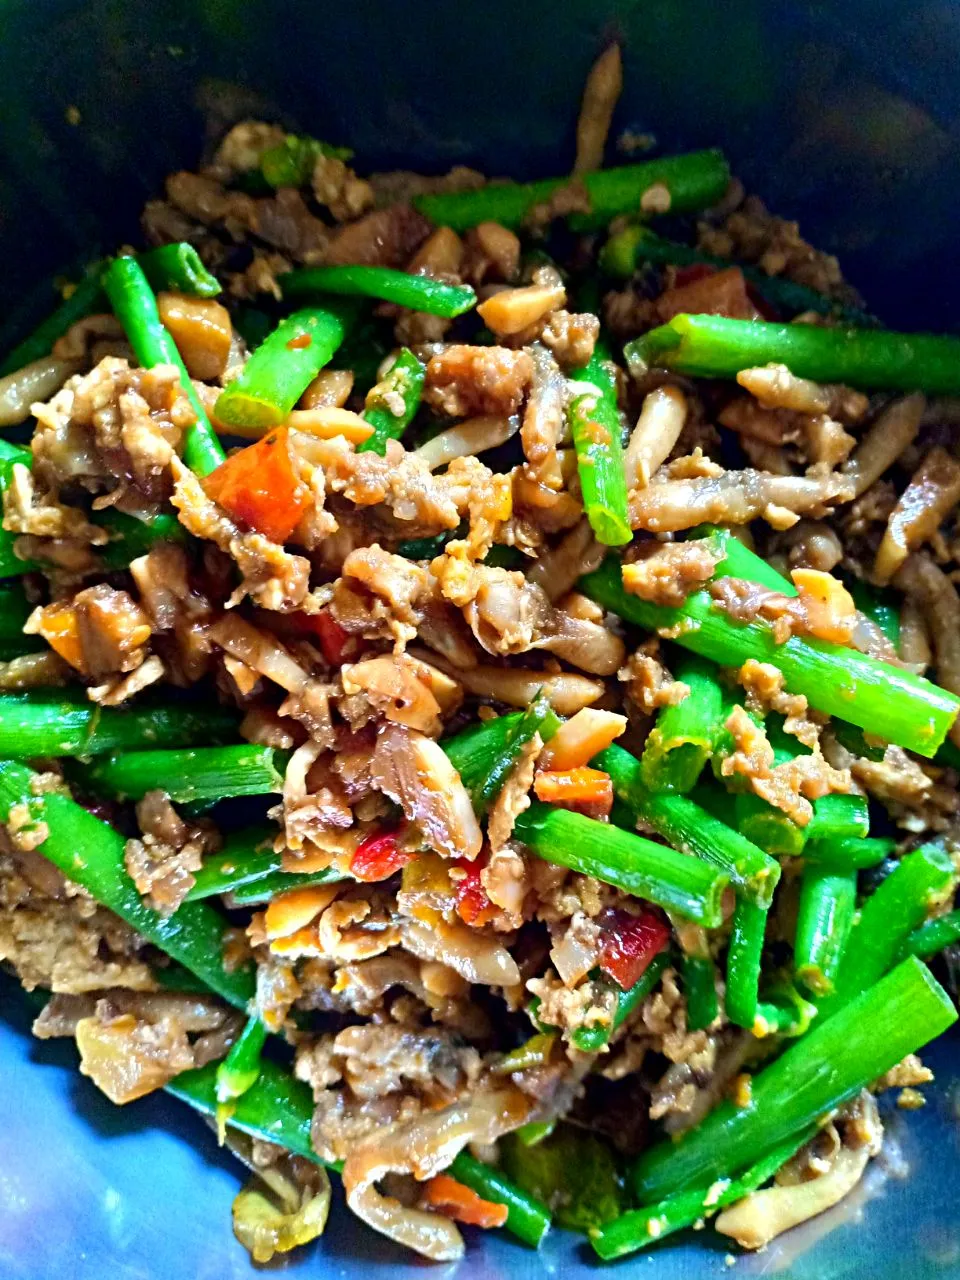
(478, 709)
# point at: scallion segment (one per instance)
(89, 852)
(592, 1037)
(820, 1071)
(743, 963)
(279, 1108)
(415, 292)
(135, 306)
(188, 776)
(401, 386)
(651, 871)
(932, 937)
(693, 181)
(683, 739)
(717, 347)
(64, 723)
(828, 900)
(637, 1228)
(595, 427)
(282, 367)
(688, 827)
(179, 266)
(893, 703)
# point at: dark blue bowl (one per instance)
(844, 115)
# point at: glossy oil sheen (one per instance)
(844, 115)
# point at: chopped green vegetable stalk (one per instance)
(688, 827)
(651, 871)
(693, 181)
(248, 868)
(763, 823)
(740, 562)
(717, 347)
(685, 734)
(784, 1012)
(828, 899)
(474, 751)
(256, 892)
(880, 606)
(535, 1131)
(90, 853)
(282, 367)
(535, 1052)
(887, 700)
(65, 723)
(743, 963)
(15, 609)
(769, 828)
(932, 937)
(637, 1228)
(279, 1109)
(487, 788)
(700, 989)
(592, 1037)
(597, 437)
(848, 853)
(180, 267)
(10, 563)
(825, 1068)
(204, 773)
(133, 537)
(404, 379)
(135, 307)
(84, 300)
(572, 1170)
(921, 881)
(292, 162)
(839, 817)
(527, 1217)
(417, 293)
(636, 244)
(240, 1069)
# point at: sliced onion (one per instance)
(475, 956)
(422, 1148)
(37, 381)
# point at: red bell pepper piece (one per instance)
(473, 904)
(378, 857)
(629, 944)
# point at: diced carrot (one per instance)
(629, 944)
(259, 487)
(57, 623)
(473, 903)
(454, 1200)
(378, 857)
(722, 293)
(580, 789)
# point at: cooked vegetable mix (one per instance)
(535, 737)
